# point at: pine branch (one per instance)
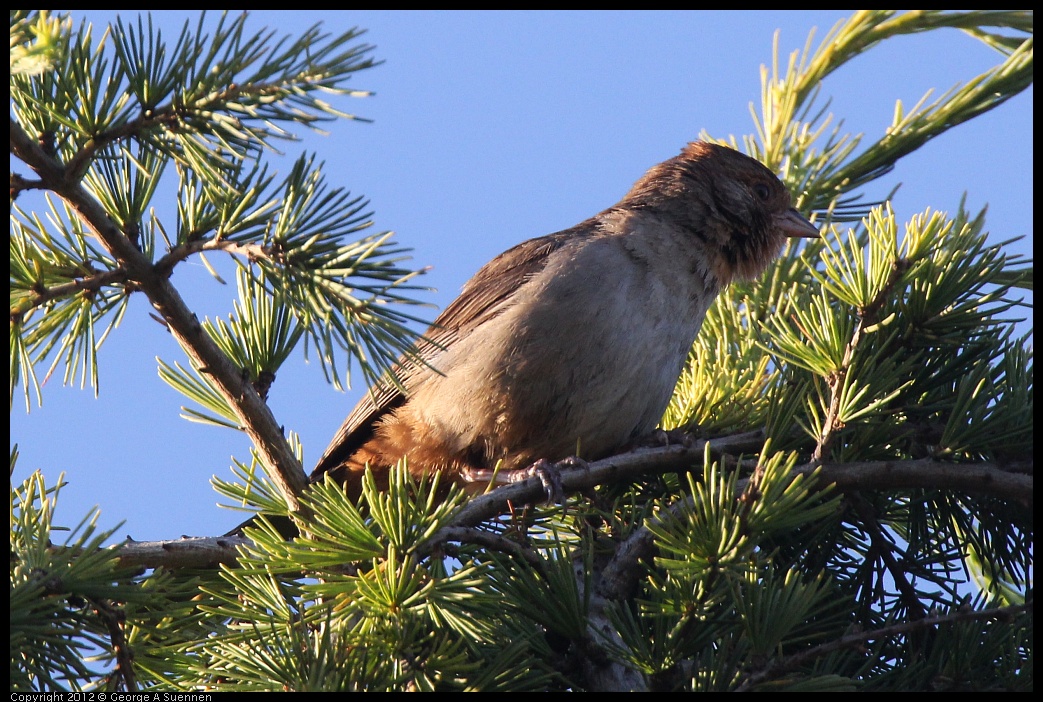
(114, 620)
(252, 252)
(884, 549)
(869, 315)
(1007, 481)
(856, 640)
(187, 552)
(42, 295)
(253, 413)
(469, 535)
(1011, 481)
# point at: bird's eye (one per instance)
(762, 191)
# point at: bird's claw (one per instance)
(550, 477)
(548, 472)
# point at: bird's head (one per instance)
(736, 209)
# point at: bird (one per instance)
(571, 344)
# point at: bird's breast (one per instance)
(581, 359)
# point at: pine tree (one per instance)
(860, 418)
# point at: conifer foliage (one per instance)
(852, 510)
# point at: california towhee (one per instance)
(572, 343)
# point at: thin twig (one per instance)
(114, 619)
(488, 539)
(884, 548)
(91, 283)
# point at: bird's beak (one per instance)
(794, 224)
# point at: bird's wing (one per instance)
(482, 298)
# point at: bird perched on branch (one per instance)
(573, 342)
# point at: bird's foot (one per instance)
(550, 476)
(548, 472)
(664, 437)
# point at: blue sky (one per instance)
(490, 128)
